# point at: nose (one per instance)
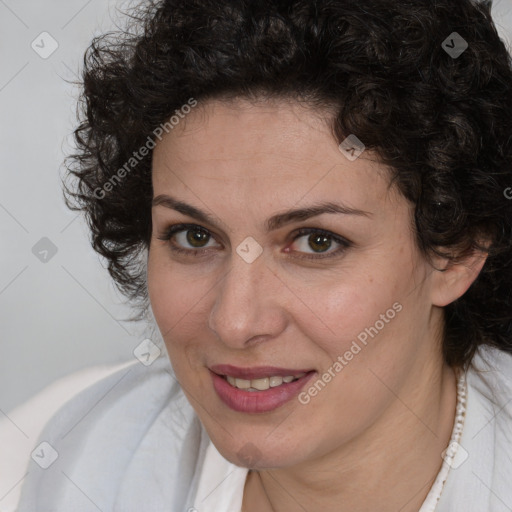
(247, 308)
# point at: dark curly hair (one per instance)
(439, 120)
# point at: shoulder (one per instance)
(481, 477)
(94, 437)
(490, 373)
(479, 474)
(490, 380)
(21, 427)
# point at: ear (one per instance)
(451, 279)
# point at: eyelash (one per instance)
(167, 235)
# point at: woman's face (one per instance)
(264, 274)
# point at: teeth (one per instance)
(275, 381)
(262, 384)
(242, 383)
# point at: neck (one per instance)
(391, 466)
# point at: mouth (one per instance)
(260, 389)
(262, 384)
(257, 372)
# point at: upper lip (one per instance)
(255, 372)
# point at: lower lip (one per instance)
(241, 400)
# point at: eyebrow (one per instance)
(273, 223)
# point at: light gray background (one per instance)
(62, 315)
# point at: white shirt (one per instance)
(132, 443)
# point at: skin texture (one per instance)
(372, 438)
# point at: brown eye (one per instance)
(319, 243)
(315, 243)
(189, 239)
(197, 238)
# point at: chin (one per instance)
(259, 453)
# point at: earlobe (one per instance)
(451, 280)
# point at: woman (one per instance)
(308, 198)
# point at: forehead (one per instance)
(243, 128)
(250, 149)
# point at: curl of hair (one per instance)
(441, 124)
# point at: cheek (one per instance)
(176, 298)
(344, 307)
(364, 343)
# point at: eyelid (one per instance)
(172, 230)
(343, 243)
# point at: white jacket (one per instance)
(132, 443)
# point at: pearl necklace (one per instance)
(432, 499)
